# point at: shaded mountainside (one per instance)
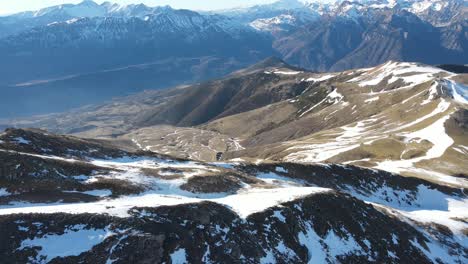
(454, 68)
(67, 92)
(334, 43)
(207, 101)
(142, 207)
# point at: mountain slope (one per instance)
(400, 117)
(249, 88)
(237, 93)
(336, 43)
(133, 201)
(375, 117)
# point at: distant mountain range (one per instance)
(66, 56)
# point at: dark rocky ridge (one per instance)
(348, 178)
(41, 142)
(454, 68)
(155, 233)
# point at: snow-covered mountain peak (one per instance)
(274, 23)
(90, 8)
(287, 4)
(86, 8)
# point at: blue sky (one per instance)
(14, 6)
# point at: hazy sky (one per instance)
(14, 6)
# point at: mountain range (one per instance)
(365, 116)
(136, 134)
(269, 164)
(70, 52)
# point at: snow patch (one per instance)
(394, 71)
(269, 24)
(98, 193)
(4, 192)
(245, 202)
(335, 97)
(373, 99)
(280, 216)
(459, 92)
(425, 205)
(312, 108)
(326, 250)
(21, 140)
(269, 258)
(348, 140)
(321, 78)
(441, 108)
(179, 256)
(287, 72)
(281, 169)
(310, 239)
(275, 179)
(434, 133)
(71, 21)
(73, 242)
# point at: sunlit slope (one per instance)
(400, 117)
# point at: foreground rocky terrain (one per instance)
(65, 199)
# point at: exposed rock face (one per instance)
(208, 232)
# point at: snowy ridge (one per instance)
(284, 13)
(321, 152)
(311, 9)
(458, 92)
(395, 71)
(426, 98)
(166, 191)
(282, 72)
(270, 24)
